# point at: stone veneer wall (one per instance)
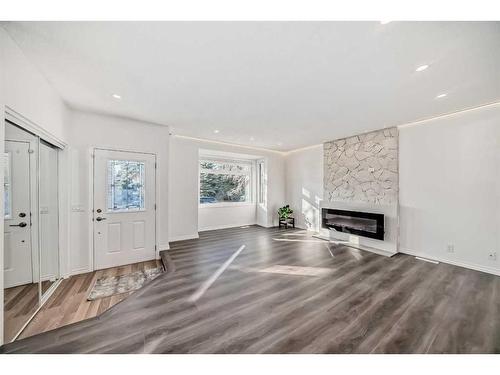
(363, 168)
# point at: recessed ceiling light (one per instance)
(421, 68)
(280, 143)
(384, 22)
(252, 138)
(216, 131)
(116, 96)
(441, 96)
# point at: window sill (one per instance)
(225, 205)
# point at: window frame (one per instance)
(125, 210)
(261, 183)
(250, 174)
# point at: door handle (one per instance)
(21, 224)
(100, 218)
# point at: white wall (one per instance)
(185, 217)
(183, 189)
(304, 186)
(87, 131)
(450, 188)
(210, 218)
(28, 92)
(275, 169)
(24, 90)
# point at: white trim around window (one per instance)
(261, 173)
(226, 204)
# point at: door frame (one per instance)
(63, 196)
(92, 194)
(25, 123)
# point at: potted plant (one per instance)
(285, 216)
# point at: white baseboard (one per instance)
(184, 237)
(79, 271)
(472, 266)
(50, 278)
(224, 227)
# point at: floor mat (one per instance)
(113, 285)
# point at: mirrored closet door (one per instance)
(48, 210)
(31, 250)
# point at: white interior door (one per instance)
(124, 208)
(17, 225)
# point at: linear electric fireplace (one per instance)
(364, 224)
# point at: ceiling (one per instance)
(278, 85)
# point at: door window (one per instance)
(125, 185)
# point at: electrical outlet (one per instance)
(450, 248)
(492, 256)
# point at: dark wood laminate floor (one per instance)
(290, 293)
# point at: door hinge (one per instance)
(31, 151)
(155, 206)
(156, 165)
(155, 248)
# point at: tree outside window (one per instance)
(224, 181)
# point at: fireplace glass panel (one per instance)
(364, 224)
(349, 222)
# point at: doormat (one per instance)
(113, 285)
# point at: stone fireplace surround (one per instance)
(361, 174)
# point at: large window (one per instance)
(225, 181)
(125, 185)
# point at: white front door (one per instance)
(124, 208)
(17, 225)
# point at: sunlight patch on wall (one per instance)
(306, 193)
(310, 214)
